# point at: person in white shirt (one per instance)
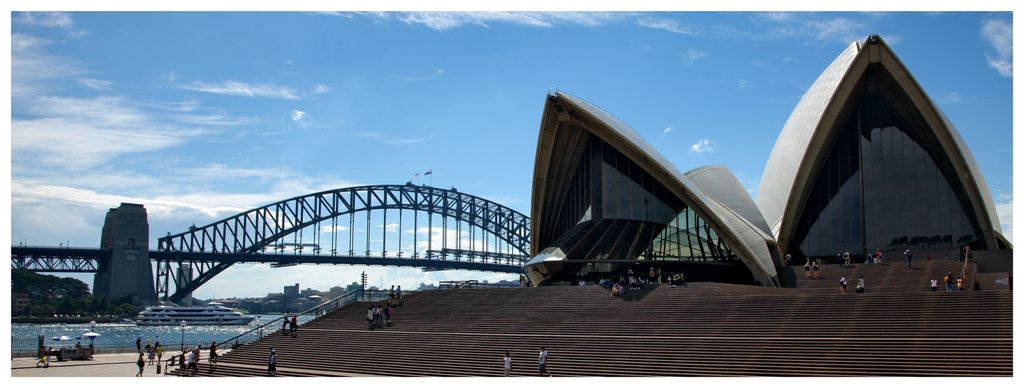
(935, 285)
(508, 364)
(543, 362)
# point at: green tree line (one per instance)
(50, 295)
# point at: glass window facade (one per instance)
(885, 183)
(614, 214)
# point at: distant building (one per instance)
(291, 292)
(19, 302)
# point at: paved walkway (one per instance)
(101, 365)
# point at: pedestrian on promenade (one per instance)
(272, 363)
(284, 325)
(159, 354)
(42, 358)
(508, 363)
(909, 255)
(949, 281)
(860, 284)
(542, 362)
(189, 361)
(935, 285)
(842, 285)
(196, 356)
(151, 355)
(141, 364)
(295, 324)
(157, 342)
(213, 355)
(369, 317)
(138, 345)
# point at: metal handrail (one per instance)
(340, 301)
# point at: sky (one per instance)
(201, 115)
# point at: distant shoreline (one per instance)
(71, 320)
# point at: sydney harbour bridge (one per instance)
(377, 225)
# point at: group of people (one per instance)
(811, 269)
(189, 360)
(953, 283)
(633, 281)
(292, 320)
(542, 360)
(379, 316)
(842, 284)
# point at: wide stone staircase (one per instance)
(705, 329)
(890, 276)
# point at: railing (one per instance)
(317, 311)
(450, 284)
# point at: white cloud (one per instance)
(237, 88)
(1004, 209)
(692, 55)
(703, 145)
(951, 98)
(999, 34)
(298, 115)
(741, 84)
(320, 89)
(810, 27)
(667, 130)
(169, 76)
(433, 75)
(96, 84)
(443, 21)
(393, 140)
(80, 133)
(665, 25)
(47, 19)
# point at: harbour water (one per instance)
(24, 335)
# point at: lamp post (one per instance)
(182, 336)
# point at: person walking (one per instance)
(141, 364)
(815, 268)
(908, 255)
(42, 358)
(159, 354)
(295, 324)
(272, 363)
(860, 284)
(196, 356)
(387, 315)
(949, 282)
(213, 355)
(878, 256)
(935, 285)
(542, 362)
(846, 258)
(842, 285)
(807, 269)
(190, 360)
(284, 324)
(151, 355)
(138, 345)
(785, 262)
(398, 295)
(508, 363)
(369, 317)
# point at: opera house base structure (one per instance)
(866, 163)
(605, 202)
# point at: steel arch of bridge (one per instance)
(188, 260)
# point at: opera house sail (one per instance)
(604, 201)
(867, 161)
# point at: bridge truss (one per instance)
(368, 225)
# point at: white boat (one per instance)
(170, 315)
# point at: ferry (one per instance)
(170, 315)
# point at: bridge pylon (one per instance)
(128, 273)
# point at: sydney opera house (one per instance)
(865, 161)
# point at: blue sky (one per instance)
(202, 115)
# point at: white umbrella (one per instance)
(91, 336)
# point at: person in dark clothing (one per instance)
(272, 363)
(141, 364)
(909, 255)
(295, 324)
(138, 345)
